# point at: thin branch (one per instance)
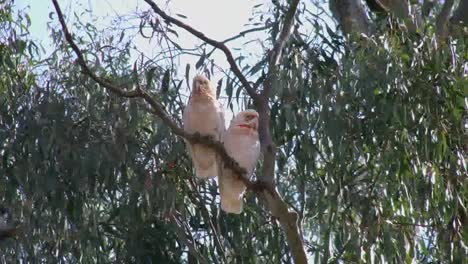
(182, 235)
(243, 33)
(412, 224)
(276, 52)
(207, 218)
(248, 87)
(158, 110)
(8, 232)
(278, 207)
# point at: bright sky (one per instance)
(218, 19)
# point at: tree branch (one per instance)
(275, 203)
(8, 232)
(182, 235)
(443, 19)
(210, 41)
(157, 109)
(350, 15)
(266, 142)
(276, 52)
(245, 32)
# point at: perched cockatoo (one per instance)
(204, 114)
(242, 144)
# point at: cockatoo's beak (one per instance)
(254, 123)
(254, 126)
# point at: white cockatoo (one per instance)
(242, 144)
(204, 114)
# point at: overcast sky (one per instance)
(218, 19)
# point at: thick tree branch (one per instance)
(248, 87)
(443, 19)
(288, 220)
(273, 200)
(8, 232)
(351, 16)
(156, 107)
(266, 142)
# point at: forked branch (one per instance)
(157, 108)
(277, 206)
(220, 45)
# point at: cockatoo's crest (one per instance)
(202, 89)
(247, 119)
(204, 114)
(242, 144)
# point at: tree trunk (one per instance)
(351, 16)
(443, 18)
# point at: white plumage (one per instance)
(204, 114)
(242, 144)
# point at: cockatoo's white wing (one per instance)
(242, 144)
(204, 115)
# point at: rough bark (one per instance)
(377, 6)
(442, 20)
(267, 193)
(398, 8)
(350, 15)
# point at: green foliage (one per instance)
(371, 138)
(373, 150)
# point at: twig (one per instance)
(210, 41)
(157, 109)
(276, 52)
(182, 235)
(243, 33)
(278, 207)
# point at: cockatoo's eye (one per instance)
(249, 117)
